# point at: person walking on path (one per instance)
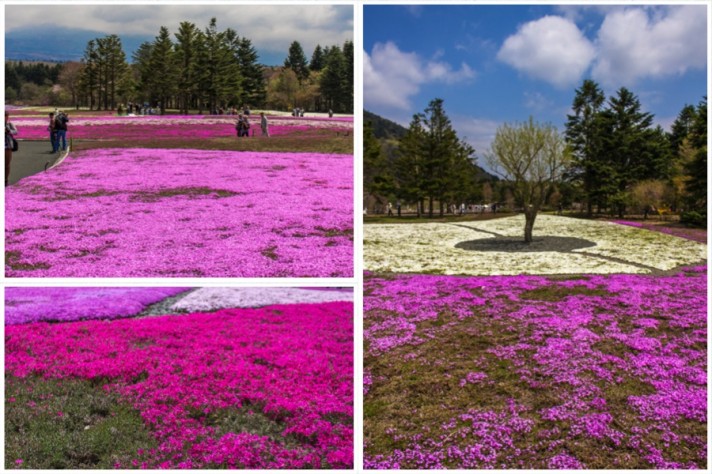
(263, 124)
(10, 132)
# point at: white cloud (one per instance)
(478, 132)
(636, 43)
(537, 101)
(551, 48)
(391, 76)
(269, 27)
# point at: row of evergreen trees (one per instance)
(619, 159)
(616, 148)
(432, 164)
(207, 70)
(18, 73)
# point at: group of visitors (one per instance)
(139, 109)
(242, 125)
(58, 130)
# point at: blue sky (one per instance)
(497, 64)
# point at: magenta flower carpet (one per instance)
(174, 126)
(178, 213)
(30, 305)
(529, 372)
(285, 370)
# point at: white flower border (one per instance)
(207, 299)
(431, 248)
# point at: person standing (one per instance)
(263, 124)
(61, 127)
(10, 132)
(52, 129)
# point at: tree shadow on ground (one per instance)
(545, 243)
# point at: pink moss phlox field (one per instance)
(289, 365)
(30, 305)
(643, 334)
(174, 126)
(698, 235)
(153, 212)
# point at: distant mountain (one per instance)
(59, 44)
(68, 44)
(384, 128)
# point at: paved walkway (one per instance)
(33, 157)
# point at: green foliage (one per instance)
(69, 424)
(615, 146)
(377, 179)
(694, 219)
(533, 158)
(433, 163)
(317, 59)
(297, 61)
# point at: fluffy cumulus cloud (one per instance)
(636, 43)
(551, 48)
(391, 76)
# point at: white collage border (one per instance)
(357, 281)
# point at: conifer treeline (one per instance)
(621, 164)
(208, 70)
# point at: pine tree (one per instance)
(163, 71)
(627, 130)
(186, 50)
(332, 80)
(253, 82)
(584, 134)
(317, 59)
(297, 61)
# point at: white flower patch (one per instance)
(208, 299)
(576, 246)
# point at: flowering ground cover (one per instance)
(173, 126)
(672, 228)
(206, 299)
(237, 388)
(29, 305)
(162, 212)
(562, 245)
(536, 372)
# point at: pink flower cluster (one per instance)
(173, 126)
(698, 235)
(153, 212)
(291, 366)
(29, 305)
(570, 347)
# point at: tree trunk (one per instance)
(530, 217)
(430, 207)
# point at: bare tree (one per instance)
(532, 157)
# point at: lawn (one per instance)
(258, 388)
(179, 212)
